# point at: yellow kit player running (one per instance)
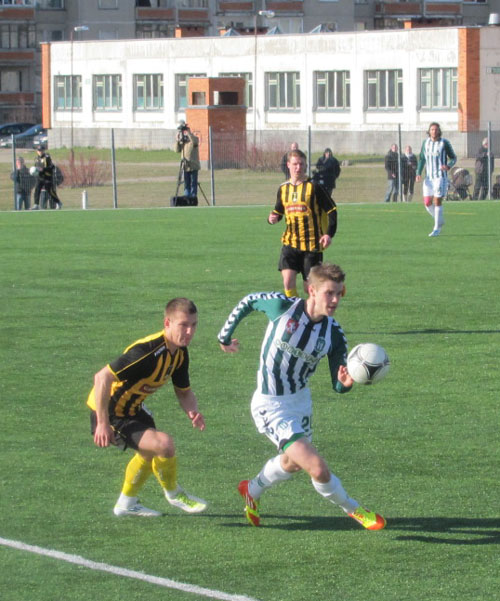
(119, 417)
(299, 334)
(311, 223)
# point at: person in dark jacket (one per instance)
(391, 164)
(24, 184)
(408, 173)
(481, 185)
(327, 171)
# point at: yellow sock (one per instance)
(291, 292)
(165, 470)
(137, 472)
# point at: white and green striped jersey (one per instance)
(435, 154)
(293, 344)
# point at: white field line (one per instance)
(104, 567)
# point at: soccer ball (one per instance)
(367, 363)
(33, 170)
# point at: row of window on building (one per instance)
(332, 90)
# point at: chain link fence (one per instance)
(244, 170)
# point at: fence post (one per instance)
(85, 202)
(309, 152)
(490, 174)
(400, 183)
(14, 170)
(113, 169)
(212, 179)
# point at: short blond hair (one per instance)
(325, 272)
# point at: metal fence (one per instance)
(243, 170)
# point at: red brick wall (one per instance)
(468, 79)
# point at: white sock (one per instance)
(430, 210)
(335, 493)
(125, 501)
(272, 473)
(438, 217)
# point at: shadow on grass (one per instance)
(440, 530)
(428, 331)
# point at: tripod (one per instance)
(180, 179)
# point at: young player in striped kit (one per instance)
(438, 157)
(300, 333)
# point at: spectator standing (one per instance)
(482, 183)
(392, 167)
(284, 160)
(24, 184)
(408, 173)
(327, 171)
(495, 193)
(188, 145)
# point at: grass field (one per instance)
(421, 447)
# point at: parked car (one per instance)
(7, 129)
(41, 138)
(24, 139)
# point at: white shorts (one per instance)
(436, 187)
(282, 418)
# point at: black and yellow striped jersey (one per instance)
(309, 212)
(144, 367)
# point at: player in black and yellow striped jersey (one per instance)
(119, 416)
(311, 222)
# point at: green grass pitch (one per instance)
(421, 447)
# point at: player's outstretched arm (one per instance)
(189, 403)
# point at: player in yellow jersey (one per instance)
(311, 223)
(119, 417)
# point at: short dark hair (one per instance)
(180, 304)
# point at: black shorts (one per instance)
(300, 261)
(128, 430)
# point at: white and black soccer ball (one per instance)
(367, 363)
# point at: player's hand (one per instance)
(234, 347)
(197, 420)
(445, 168)
(344, 377)
(104, 435)
(273, 218)
(325, 241)
(418, 178)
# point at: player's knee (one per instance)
(164, 445)
(320, 471)
(427, 201)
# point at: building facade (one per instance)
(336, 84)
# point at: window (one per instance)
(11, 81)
(152, 30)
(283, 90)
(148, 92)
(67, 96)
(384, 89)
(181, 82)
(332, 90)
(248, 77)
(17, 36)
(108, 4)
(17, 2)
(50, 4)
(107, 92)
(438, 88)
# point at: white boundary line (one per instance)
(104, 567)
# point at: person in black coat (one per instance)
(327, 171)
(408, 173)
(481, 184)
(391, 165)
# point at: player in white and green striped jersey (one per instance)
(438, 157)
(299, 334)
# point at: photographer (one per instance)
(187, 144)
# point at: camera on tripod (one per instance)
(182, 128)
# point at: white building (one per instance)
(353, 88)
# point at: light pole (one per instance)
(76, 29)
(269, 14)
